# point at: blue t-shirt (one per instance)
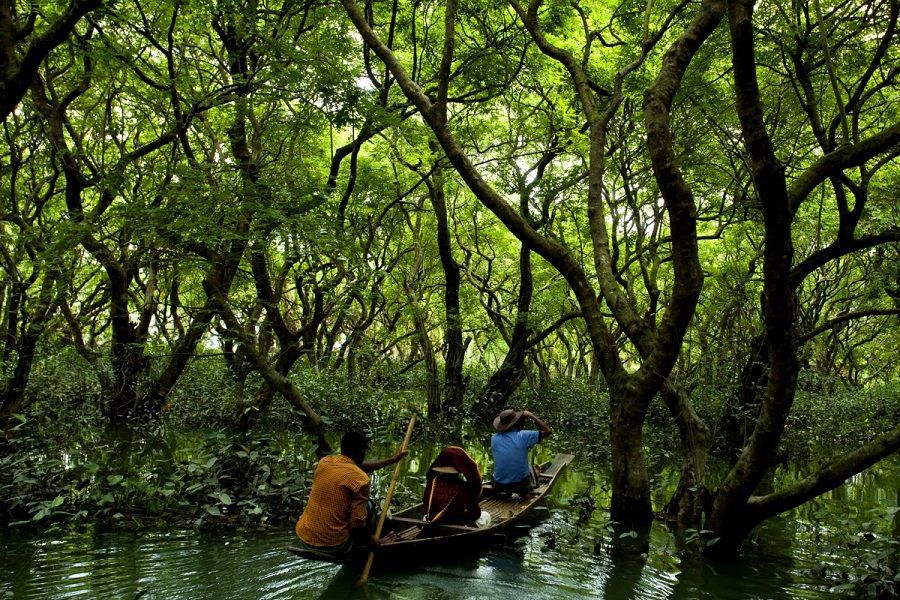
(510, 450)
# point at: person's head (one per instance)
(353, 445)
(508, 419)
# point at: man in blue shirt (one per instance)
(513, 471)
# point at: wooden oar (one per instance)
(387, 501)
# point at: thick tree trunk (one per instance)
(732, 519)
(630, 482)
(728, 516)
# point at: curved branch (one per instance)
(851, 155)
(830, 476)
(17, 78)
(553, 327)
(841, 319)
(838, 249)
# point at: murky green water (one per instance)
(566, 554)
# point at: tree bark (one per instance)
(455, 349)
(727, 517)
(17, 74)
(686, 505)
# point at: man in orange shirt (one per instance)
(338, 508)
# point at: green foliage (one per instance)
(64, 394)
(344, 403)
(213, 480)
(829, 416)
(870, 547)
(206, 395)
(194, 132)
(572, 406)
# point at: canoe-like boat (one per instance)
(411, 536)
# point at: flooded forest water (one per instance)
(567, 551)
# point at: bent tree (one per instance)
(866, 147)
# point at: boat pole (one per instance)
(387, 501)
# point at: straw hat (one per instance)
(446, 470)
(506, 419)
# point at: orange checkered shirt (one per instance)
(336, 504)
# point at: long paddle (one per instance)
(387, 501)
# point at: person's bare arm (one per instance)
(543, 429)
(373, 465)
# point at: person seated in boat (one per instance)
(513, 471)
(339, 512)
(452, 488)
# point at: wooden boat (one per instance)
(414, 537)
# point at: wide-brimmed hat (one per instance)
(445, 470)
(506, 419)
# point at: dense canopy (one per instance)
(674, 201)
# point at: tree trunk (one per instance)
(686, 505)
(12, 394)
(630, 482)
(426, 348)
(126, 352)
(454, 385)
(506, 379)
(729, 514)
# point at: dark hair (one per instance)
(354, 443)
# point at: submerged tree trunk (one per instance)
(729, 517)
(686, 505)
(630, 482)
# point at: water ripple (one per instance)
(562, 556)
